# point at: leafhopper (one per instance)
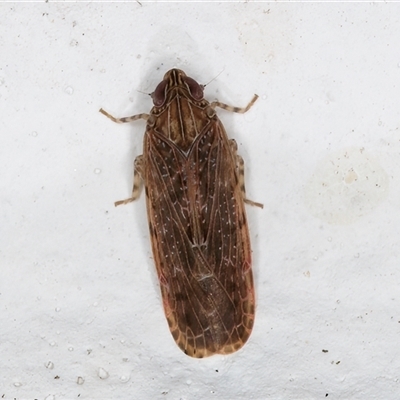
(195, 196)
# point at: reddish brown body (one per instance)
(195, 203)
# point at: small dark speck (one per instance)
(337, 362)
(326, 395)
(324, 351)
(56, 377)
(216, 370)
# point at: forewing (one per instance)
(200, 242)
(224, 226)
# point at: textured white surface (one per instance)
(81, 315)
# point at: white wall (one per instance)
(81, 314)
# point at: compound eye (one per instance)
(195, 89)
(158, 95)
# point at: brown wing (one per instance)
(200, 242)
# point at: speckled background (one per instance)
(80, 309)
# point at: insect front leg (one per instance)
(125, 119)
(240, 110)
(137, 182)
(240, 169)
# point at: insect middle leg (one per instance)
(240, 169)
(138, 164)
(137, 182)
(239, 159)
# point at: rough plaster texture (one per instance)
(81, 314)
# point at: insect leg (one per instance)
(137, 180)
(125, 119)
(240, 110)
(138, 164)
(240, 169)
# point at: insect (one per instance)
(195, 195)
